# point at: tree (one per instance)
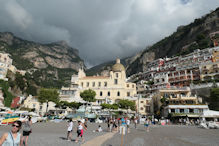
(88, 96)
(20, 81)
(109, 106)
(47, 95)
(214, 99)
(127, 104)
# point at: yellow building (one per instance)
(109, 89)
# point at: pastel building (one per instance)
(109, 89)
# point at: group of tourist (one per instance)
(82, 124)
(13, 137)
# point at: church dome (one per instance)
(118, 67)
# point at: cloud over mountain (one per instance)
(101, 30)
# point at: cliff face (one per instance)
(45, 62)
(185, 40)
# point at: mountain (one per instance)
(185, 40)
(49, 65)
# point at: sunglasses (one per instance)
(15, 126)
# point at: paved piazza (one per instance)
(50, 133)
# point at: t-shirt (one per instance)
(80, 127)
(128, 122)
(70, 126)
(100, 129)
(123, 121)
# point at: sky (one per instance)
(101, 30)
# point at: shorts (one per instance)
(80, 133)
(146, 125)
(26, 133)
(127, 126)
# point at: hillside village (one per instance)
(167, 87)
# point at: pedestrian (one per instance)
(80, 131)
(26, 130)
(111, 125)
(99, 129)
(135, 122)
(122, 126)
(12, 138)
(85, 122)
(128, 123)
(70, 128)
(146, 124)
(115, 124)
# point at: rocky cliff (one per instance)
(185, 40)
(51, 65)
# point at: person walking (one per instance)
(70, 128)
(80, 131)
(12, 138)
(111, 125)
(136, 122)
(122, 127)
(128, 123)
(146, 124)
(26, 130)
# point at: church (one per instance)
(109, 89)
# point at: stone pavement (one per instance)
(171, 135)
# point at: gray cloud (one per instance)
(102, 30)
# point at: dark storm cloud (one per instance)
(101, 29)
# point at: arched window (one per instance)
(118, 93)
(101, 93)
(108, 93)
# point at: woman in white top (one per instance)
(70, 127)
(80, 131)
(12, 138)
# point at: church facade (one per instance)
(109, 89)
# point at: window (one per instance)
(87, 84)
(176, 110)
(116, 81)
(117, 75)
(133, 86)
(141, 108)
(41, 107)
(34, 105)
(142, 101)
(127, 85)
(101, 93)
(148, 109)
(191, 110)
(128, 93)
(99, 84)
(105, 84)
(172, 110)
(93, 84)
(196, 111)
(82, 84)
(118, 93)
(108, 93)
(181, 110)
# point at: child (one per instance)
(99, 129)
